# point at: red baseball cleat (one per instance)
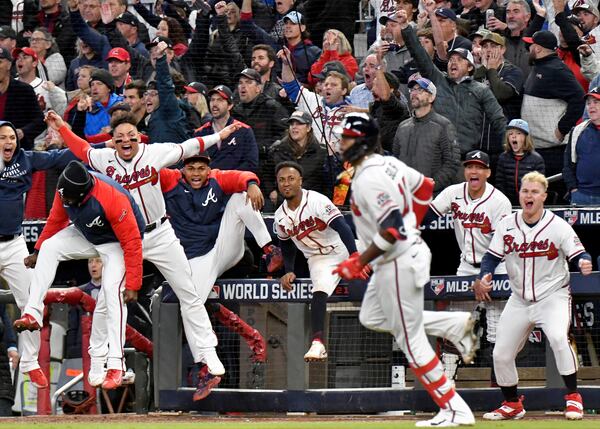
(507, 411)
(205, 386)
(273, 258)
(26, 323)
(574, 408)
(114, 379)
(38, 379)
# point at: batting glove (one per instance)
(352, 268)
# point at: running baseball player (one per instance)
(310, 222)
(476, 207)
(137, 168)
(210, 210)
(106, 223)
(382, 211)
(16, 168)
(536, 245)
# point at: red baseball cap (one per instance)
(118, 54)
(26, 50)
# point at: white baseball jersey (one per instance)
(140, 176)
(307, 226)
(474, 220)
(536, 257)
(380, 185)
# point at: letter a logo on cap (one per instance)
(477, 155)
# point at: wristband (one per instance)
(382, 243)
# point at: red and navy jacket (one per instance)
(238, 152)
(196, 213)
(107, 215)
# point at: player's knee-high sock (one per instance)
(570, 382)
(510, 393)
(318, 309)
(434, 380)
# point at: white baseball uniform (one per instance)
(308, 228)
(536, 260)
(140, 176)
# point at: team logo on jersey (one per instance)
(437, 286)
(210, 197)
(532, 249)
(305, 227)
(136, 179)
(383, 199)
(472, 220)
(571, 216)
(232, 142)
(330, 208)
(535, 336)
(96, 222)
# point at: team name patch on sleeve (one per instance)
(383, 199)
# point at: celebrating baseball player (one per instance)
(106, 223)
(382, 211)
(536, 245)
(137, 168)
(16, 168)
(476, 207)
(316, 227)
(209, 210)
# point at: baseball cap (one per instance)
(128, 18)
(518, 124)
(588, 7)
(202, 156)
(330, 66)
(495, 38)
(121, 105)
(385, 18)
(546, 39)
(295, 17)
(477, 157)
(482, 32)
(446, 13)
(300, 116)
(157, 40)
(26, 50)
(574, 20)
(103, 76)
(196, 88)
(6, 32)
(250, 74)
(594, 92)
(465, 53)
(5, 55)
(223, 91)
(118, 54)
(426, 84)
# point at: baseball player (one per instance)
(382, 211)
(137, 168)
(309, 221)
(536, 245)
(476, 207)
(16, 168)
(210, 210)
(106, 223)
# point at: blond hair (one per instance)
(536, 177)
(344, 45)
(527, 148)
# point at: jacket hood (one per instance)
(10, 124)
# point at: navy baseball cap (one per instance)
(223, 91)
(446, 13)
(300, 116)
(465, 53)
(391, 17)
(477, 157)
(157, 40)
(250, 74)
(196, 88)
(128, 18)
(202, 157)
(330, 66)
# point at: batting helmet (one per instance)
(365, 130)
(74, 183)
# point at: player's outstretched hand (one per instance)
(31, 260)
(229, 130)
(54, 120)
(255, 197)
(129, 295)
(287, 280)
(351, 268)
(482, 288)
(585, 267)
(366, 272)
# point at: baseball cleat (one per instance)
(316, 353)
(574, 408)
(470, 342)
(456, 413)
(38, 378)
(205, 386)
(507, 411)
(114, 379)
(215, 367)
(96, 378)
(26, 323)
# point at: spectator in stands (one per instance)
(409, 69)
(382, 8)
(102, 91)
(361, 95)
(8, 38)
(518, 159)
(320, 14)
(264, 115)
(18, 104)
(335, 48)
(581, 159)
(465, 102)
(134, 96)
(86, 57)
(195, 94)
(590, 62)
(589, 16)
(53, 17)
(119, 64)
(553, 100)
(167, 121)
(303, 52)
(82, 91)
(263, 61)
(445, 34)
(128, 25)
(239, 151)
(391, 50)
(427, 141)
(171, 29)
(186, 64)
(499, 16)
(52, 64)
(274, 34)
(173, 24)
(504, 79)
(90, 12)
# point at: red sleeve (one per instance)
(121, 216)
(232, 181)
(58, 219)
(350, 65)
(78, 146)
(169, 179)
(318, 65)
(422, 198)
(98, 138)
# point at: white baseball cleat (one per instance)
(215, 367)
(507, 411)
(470, 342)
(456, 413)
(316, 353)
(96, 378)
